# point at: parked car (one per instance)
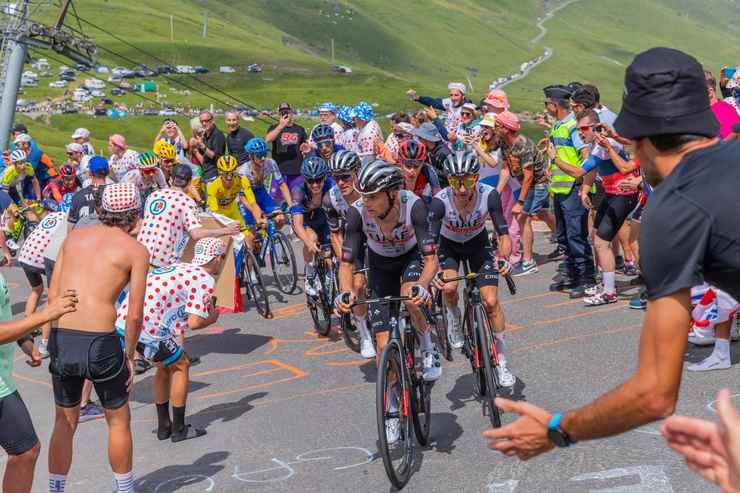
(69, 110)
(342, 69)
(129, 74)
(199, 69)
(100, 111)
(167, 112)
(82, 67)
(151, 112)
(58, 84)
(107, 101)
(165, 69)
(117, 91)
(97, 93)
(226, 69)
(254, 68)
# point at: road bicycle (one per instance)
(321, 306)
(273, 247)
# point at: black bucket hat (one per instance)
(665, 92)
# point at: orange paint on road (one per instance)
(289, 311)
(281, 366)
(579, 337)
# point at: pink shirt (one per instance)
(727, 116)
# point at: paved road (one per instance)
(288, 411)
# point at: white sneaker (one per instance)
(594, 290)
(367, 350)
(432, 365)
(309, 288)
(700, 340)
(505, 377)
(711, 363)
(454, 335)
(393, 430)
(43, 348)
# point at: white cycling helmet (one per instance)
(18, 156)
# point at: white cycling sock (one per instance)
(361, 323)
(609, 283)
(426, 341)
(57, 483)
(455, 312)
(722, 349)
(124, 482)
(501, 349)
(393, 398)
(310, 270)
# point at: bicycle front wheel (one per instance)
(282, 263)
(393, 408)
(350, 333)
(490, 366)
(252, 278)
(440, 326)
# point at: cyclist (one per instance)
(343, 167)
(147, 177)
(458, 216)
(59, 187)
(395, 225)
(323, 139)
(268, 183)
(418, 176)
(167, 155)
(19, 179)
(309, 218)
(228, 190)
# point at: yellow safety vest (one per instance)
(561, 136)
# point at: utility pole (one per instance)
(13, 54)
(332, 51)
(172, 27)
(205, 23)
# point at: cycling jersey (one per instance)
(427, 184)
(411, 230)
(314, 217)
(335, 207)
(348, 140)
(447, 220)
(134, 176)
(271, 178)
(33, 249)
(610, 175)
(12, 177)
(221, 196)
(57, 189)
(367, 136)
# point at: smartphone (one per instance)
(730, 71)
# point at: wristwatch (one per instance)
(558, 436)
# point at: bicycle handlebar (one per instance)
(384, 300)
(472, 276)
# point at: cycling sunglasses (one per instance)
(149, 171)
(314, 181)
(412, 163)
(228, 176)
(339, 178)
(468, 181)
(261, 155)
(325, 143)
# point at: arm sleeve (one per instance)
(352, 236)
(442, 129)
(219, 144)
(589, 163)
(46, 161)
(297, 196)
(247, 190)
(436, 210)
(191, 217)
(577, 141)
(433, 102)
(332, 216)
(420, 221)
(496, 211)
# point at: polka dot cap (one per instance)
(121, 197)
(206, 249)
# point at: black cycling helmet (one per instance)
(322, 132)
(379, 176)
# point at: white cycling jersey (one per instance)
(403, 237)
(460, 229)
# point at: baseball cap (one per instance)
(489, 120)
(427, 131)
(22, 138)
(118, 140)
(665, 92)
(121, 197)
(470, 106)
(20, 128)
(74, 147)
(206, 249)
(497, 99)
(81, 133)
(557, 92)
(508, 120)
(98, 166)
(284, 106)
(181, 175)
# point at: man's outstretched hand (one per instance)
(527, 436)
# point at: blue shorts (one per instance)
(264, 200)
(537, 199)
(316, 220)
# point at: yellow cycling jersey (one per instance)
(220, 197)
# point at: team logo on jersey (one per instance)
(404, 198)
(163, 270)
(199, 249)
(49, 223)
(157, 206)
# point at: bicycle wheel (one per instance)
(440, 326)
(252, 278)
(350, 333)
(472, 351)
(317, 305)
(490, 370)
(282, 263)
(421, 402)
(393, 381)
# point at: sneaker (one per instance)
(367, 349)
(700, 340)
(630, 269)
(563, 283)
(392, 430)
(602, 298)
(594, 290)
(639, 302)
(141, 366)
(556, 254)
(44, 348)
(580, 288)
(524, 268)
(505, 377)
(432, 365)
(309, 288)
(711, 363)
(90, 411)
(454, 335)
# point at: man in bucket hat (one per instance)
(688, 234)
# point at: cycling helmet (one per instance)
(227, 164)
(328, 106)
(345, 114)
(363, 111)
(412, 150)
(66, 170)
(148, 160)
(322, 132)
(18, 156)
(165, 150)
(256, 146)
(461, 163)
(314, 167)
(378, 176)
(50, 205)
(344, 162)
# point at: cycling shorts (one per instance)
(34, 275)
(316, 220)
(477, 251)
(17, 434)
(264, 200)
(611, 214)
(384, 278)
(77, 356)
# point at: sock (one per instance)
(393, 399)
(57, 483)
(609, 286)
(501, 349)
(426, 341)
(163, 416)
(721, 349)
(124, 482)
(361, 323)
(310, 270)
(455, 311)
(178, 419)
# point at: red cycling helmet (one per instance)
(412, 150)
(66, 170)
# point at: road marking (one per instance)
(31, 380)
(564, 340)
(532, 297)
(289, 311)
(295, 374)
(589, 313)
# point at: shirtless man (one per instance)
(85, 344)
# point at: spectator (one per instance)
(194, 154)
(42, 165)
(723, 111)
(122, 159)
(328, 116)
(286, 137)
(19, 179)
(606, 115)
(348, 138)
(82, 136)
(237, 137)
(171, 133)
(401, 131)
(429, 114)
(451, 105)
(468, 131)
(211, 145)
(369, 133)
(495, 102)
(582, 100)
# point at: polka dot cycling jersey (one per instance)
(169, 215)
(33, 249)
(172, 294)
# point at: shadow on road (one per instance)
(144, 389)
(695, 354)
(369, 371)
(174, 477)
(444, 432)
(230, 341)
(224, 412)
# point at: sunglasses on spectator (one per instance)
(325, 143)
(466, 113)
(228, 176)
(149, 171)
(339, 178)
(583, 128)
(314, 181)
(468, 181)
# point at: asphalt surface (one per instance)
(286, 410)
